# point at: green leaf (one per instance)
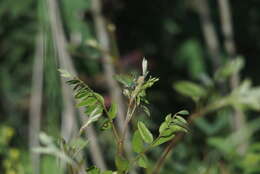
(107, 172)
(168, 118)
(122, 164)
(137, 142)
(146, 110)
(90, 109)
(78, 143)
(87, 102)
(229, 68)
(93, 170)
(65, 73)
(127, 81)
(143, 161)
(162, 140)
(182, 120)
(177, 128)
(183, 112)
(179, 123)
(150, 82)
(112, 111)
(190, 57)
(99, 98)
(145, 133)
(82, 94)
(163, 127)
(190, 89)
(94, 116)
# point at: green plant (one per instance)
(10, 155)
(134, 88)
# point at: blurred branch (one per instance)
(107, 59)
(36, 102)
(229, 44)
(66, 63)
(209, 32)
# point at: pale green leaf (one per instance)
(163, 126)
(183, 112)
(65, 73)
(229, 68)
(162, 140)
(137, 142)
(179, 118)
(112, 111)
(144, 132)
(87, 102)
(93, 170)
(177, 128)
(122, 164)
(92, 118)
(143, 161)
(146, 110)
(190, 89)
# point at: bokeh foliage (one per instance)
(169, 34)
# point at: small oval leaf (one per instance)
(137, 142)
(145, 133)
(143, 161)
(112, 111)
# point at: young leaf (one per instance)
(87, 102)
(127, 81)
(168, 118)
(183, 112)
(65, 73)
(112, 111)
(143, 161)
(81, 94)
(99, 98)
(162, 140)
(78, 144)
(230, 68)
(121, 163)
(177, 128)
(93, 170)
(163, 127)
(190, 89)
(94, 116)
(181, 119)
(146, 110)
(145, 133)
(137, 142)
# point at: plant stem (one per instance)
(130, 110)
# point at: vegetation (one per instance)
(203, 51)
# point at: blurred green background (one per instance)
(181, 39)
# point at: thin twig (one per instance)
(36, 102)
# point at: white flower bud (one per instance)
(144, 66)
